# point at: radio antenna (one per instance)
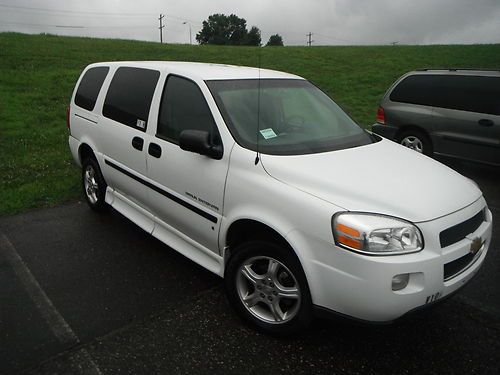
(257, 157)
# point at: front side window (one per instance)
(89, 87)
(285, 117)
(129, 96)
(183, 107)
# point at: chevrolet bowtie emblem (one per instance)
(476, 245)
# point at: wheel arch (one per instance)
(428, 136)
(87, 148)
(405, 128)
(85, 151)
(245, 229)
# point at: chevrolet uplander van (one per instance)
(261, 178)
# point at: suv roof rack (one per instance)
(458, 69)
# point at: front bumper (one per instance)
(361, 286)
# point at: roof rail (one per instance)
(458, 69)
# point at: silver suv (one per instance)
(453, 113)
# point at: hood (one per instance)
(382, 177)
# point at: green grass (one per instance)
(38, 72)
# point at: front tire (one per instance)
(94, 186)
(267, 287)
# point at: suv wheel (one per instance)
(267, 287)
(94, 186)
(417, 141)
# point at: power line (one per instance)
(336, 39)
(76, 26)
(183, 19)
(73, 11)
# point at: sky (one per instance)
(332, 22)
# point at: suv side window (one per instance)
(471, 93)
(89, 87)
(464, 93)
(129, 96)
(183, 107)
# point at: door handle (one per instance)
(154, 150)
(138, 143)
(485, 122)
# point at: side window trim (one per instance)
(163, 97)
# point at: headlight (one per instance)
(374, 234)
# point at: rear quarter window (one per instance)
(417, 89)
(129, 96)
(89, 87)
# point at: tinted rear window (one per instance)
(89, 87)
(129, 96)
(466, 93)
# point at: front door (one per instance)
(189, 188)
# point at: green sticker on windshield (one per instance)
(268, 133)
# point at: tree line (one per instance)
(232, 30)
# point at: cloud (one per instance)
(331, 21)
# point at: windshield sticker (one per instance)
(268, 133)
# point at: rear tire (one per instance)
(416, 140)
(94, 186)
(267, 287)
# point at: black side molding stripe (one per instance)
(85, 118)
(182, 202)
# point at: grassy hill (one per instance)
(38, 73)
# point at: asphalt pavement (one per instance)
(94, 294)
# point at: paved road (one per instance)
(83, 293)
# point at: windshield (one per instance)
(295, 117)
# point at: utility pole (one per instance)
(309, 42)
(161, 27)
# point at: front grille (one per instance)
(458, 232)
(458, 265)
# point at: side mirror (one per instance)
(198, 141)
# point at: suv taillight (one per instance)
(67, 118)
(381, 115)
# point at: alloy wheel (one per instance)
(90, 184)
(268, 290)
(413, 143)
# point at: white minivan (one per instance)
(258, 176)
